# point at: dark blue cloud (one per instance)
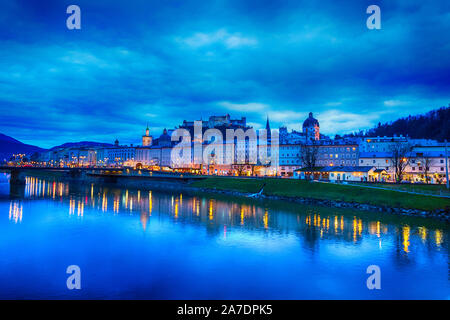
(160, 62)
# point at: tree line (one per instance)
(434, 125)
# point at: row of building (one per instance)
(284, 157)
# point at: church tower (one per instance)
(147, 138)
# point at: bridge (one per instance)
(105, 174)
(18, 174)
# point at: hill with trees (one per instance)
(434, 125)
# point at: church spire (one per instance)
(268, 131)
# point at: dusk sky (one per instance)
(164, 61)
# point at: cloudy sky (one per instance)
(163, 61)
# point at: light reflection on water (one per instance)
(251, 216)
(295, 240)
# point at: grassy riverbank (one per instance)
(432, 189)
(315, 190)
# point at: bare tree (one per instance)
(308, 156)
(400, 158)
(240, 169)
(426, 162)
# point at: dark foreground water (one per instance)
(155, 245)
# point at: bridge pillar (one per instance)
(17, 177)
(75, 174)
(17, 191)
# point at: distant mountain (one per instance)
(4, 137)
(10, 146)
(431, 125)
(88, 144)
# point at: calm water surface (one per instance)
(156, 245)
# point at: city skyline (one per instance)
(163, 63)
(224, 157)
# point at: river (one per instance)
(150, 244)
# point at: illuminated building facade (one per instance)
(426, 161)
(337, 153)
